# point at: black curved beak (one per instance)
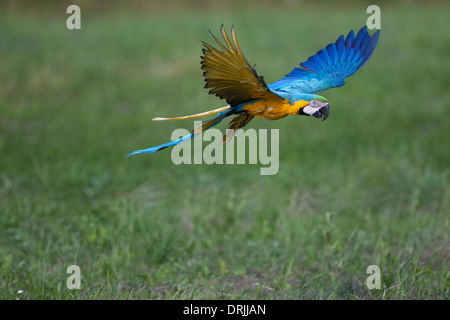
(323, 112)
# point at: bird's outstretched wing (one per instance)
(329, 67)
(229, 74)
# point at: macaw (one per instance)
(232, 78)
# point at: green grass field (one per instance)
(369, 186)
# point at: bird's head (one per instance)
(317, 107)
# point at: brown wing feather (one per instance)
(229, 74)
(238, 122)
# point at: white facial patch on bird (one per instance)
(310, 110)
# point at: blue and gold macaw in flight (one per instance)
(232, 78)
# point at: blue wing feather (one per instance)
(340, 49)
(361, 33)
(329, 67)
(350, 39)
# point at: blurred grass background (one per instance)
(368, 186)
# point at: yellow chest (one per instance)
(273, 110)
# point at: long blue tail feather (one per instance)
(220, 116)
